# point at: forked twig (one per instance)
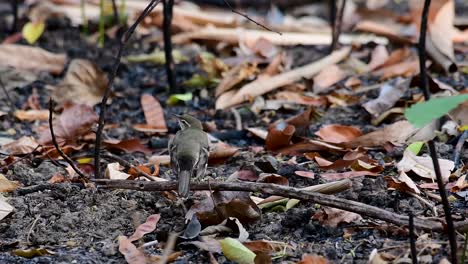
(432, 150)
(123, 42)
(57, 147)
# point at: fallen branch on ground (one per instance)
(290, 192)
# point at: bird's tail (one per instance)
(184, 183)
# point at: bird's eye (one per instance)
(183, 123)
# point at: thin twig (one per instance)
(167, 32)
(115, 10)
(285, 191)
(238, 119)
(126, 37)
(127, 165)
(332, 14)
(336, 31)
(248, 18)
(7, 95)
(57, 147)
(432, 149)
(459, 148)
(414, 256)
(21, 159)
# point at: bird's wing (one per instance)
(202, 161)
(172, 154)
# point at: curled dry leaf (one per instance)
(279, 136)
(273, 178)
(145, 228)
(228, 204)
(389, 94)
(221, 150)
(23, 145)
(338, 133)
(84, 83)
(31, 58)
(154, 115)
(32, 115)
(333, 217)
(407, 68)
(113, 172)
(297, 98)
(423, 166)
(402, 184)
(75, 121)
(327, 77)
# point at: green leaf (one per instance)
(415, 147)
(199, 80)
(33, 31)
(422, 114)
(235, 251)
(156, 57)
(291, 203)
(175, 98)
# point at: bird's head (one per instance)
(186, 121)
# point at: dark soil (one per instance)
(81, 224)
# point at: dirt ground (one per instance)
(81, 224)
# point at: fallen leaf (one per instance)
(279, 136)
(32, 31)
(313, 259)
(338, 133)
(333, 217)
(235, 251)
(305, 174)
(228, 204)
(127, 145)
(145, 228)
(407, 68)
(423, 166)
(273, 179)
(402, 184)
(327, 77)
(157, 57)
(235, 76)
(153, 112)
(113, 172)
(378, 57)
(176, 98)
(460, 185)
(389, 94)
(74, 122)
(31, 58)
(7, 185)
(392, 30)
(297, 98)
(160, 159)
(31, 253)
(84, 83)
(32, 115)
(267, 84)
(132, 254)
(221, 150)
(23, 145)
(5, 208)
(346, 175)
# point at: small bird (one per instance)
(189, 152)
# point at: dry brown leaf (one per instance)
(235, 76)
(313, 259)
(333, 217)
(395, 57)
(5, 208)
(23, 145)
(7, 185)
(392, 31)
(346, 175)
(327, 77)
(273, 179)
(145, 228)
(338, 133)
(423, 166)
(402, 184)
(127, 145)
(32, 115)
(153, 112)
(279, 136)
(378, 57)
(460, 185)
(441, 29)
(267, 84)
(84, 83)
(221, 151)
(31, 58)
(406, 68)
(74, 122)
(297, 98)
(160, 159)
(397, 133)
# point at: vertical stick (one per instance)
(168, 6)
(432, 149)
(336, 22)
(115, 10)
(83, 16)
(414, 255)
(101, 25)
